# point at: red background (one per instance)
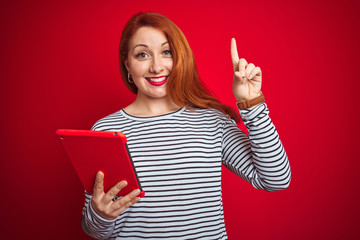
(60, 69)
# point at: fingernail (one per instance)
(136, 192)
(251, 76)
(243, 73)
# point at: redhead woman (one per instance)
(179, 136)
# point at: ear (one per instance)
(126, 63)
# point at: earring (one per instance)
(130, 80)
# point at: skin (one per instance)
(247, 78)
(102, 202)
(150, 56)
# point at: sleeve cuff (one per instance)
(97, 218)
(254, 113)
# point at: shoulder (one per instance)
(110, 122)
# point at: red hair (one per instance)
(184, 85)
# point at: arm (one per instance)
(102, 209)
(94, 225)
(260, 157)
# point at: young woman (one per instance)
(179, 135)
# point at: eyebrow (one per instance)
(144, 45)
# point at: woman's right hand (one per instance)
(103, 203)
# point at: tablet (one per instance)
(93, 151)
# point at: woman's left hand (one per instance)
(247, 78)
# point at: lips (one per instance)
(157, 81)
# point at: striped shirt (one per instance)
(178, 158)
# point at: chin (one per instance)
(158, 95)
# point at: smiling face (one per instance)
(149, 62)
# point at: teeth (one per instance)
(156, 79)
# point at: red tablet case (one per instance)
(93, 151)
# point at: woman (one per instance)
(179, 135)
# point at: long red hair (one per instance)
(184, 85)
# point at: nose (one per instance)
(156, 65)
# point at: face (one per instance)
(149, 62)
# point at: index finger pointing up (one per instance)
(234, 55)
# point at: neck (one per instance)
(144, 106)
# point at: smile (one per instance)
(157, 81)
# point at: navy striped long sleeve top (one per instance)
(178, 158)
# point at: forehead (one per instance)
(149, 36)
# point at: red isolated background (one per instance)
(60, 69)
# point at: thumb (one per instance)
(99, 184)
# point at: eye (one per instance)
(167, 52)
(141, 55)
